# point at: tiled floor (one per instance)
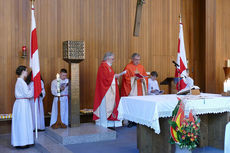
(5, 146)
(125, 143)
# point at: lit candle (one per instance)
(225, 86)
(24, 49)
(58, 85)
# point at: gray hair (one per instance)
(107, 55)
(135, 54)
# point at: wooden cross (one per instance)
(138, 17)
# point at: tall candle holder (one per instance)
(58, 123)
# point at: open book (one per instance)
(195, 87)
(186, 91)
(140, 76)
(64, 84)
(158, 92)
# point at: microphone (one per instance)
(175, 64)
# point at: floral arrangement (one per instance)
(184, 131)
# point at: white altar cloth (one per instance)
(147, 110)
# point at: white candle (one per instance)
(58, 85)
(228, 85)
(225, 86)
(228, 63)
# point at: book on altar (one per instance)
(184, 91)
(187, 90)
(140, 76)
(195, 87)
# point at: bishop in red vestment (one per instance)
(106, 94)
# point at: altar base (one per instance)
(212, 134)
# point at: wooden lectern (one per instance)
(74, 53)
(171, 85)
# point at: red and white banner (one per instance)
(181, 60)
(34, 57)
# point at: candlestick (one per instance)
(58, 85)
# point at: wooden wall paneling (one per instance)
(104, 25)
(10, 46)
(210, 46)
(199, 48)
(3, 42)
(222, 41)
(193, 18)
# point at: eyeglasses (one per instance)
(136, 59)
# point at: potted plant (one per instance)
(184, 130)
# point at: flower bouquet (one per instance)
(184, 131)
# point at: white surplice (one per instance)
(63, 104)
(40, 108)
(22, 125)
(152, 85)
(104, 107)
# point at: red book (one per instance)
(139, 75)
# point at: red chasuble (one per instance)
(104, 81)
(126, 79)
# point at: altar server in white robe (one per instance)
(22, 126)
(63, 98)
(39, 103)
(153, 86)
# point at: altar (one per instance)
(152, 114)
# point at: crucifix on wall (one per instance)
(138, 17)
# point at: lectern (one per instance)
(74, 53)
(171, 84)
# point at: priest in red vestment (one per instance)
(135, 81)
(106, 94)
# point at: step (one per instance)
(87, 132)
(46, 144)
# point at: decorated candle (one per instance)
(58, 85)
